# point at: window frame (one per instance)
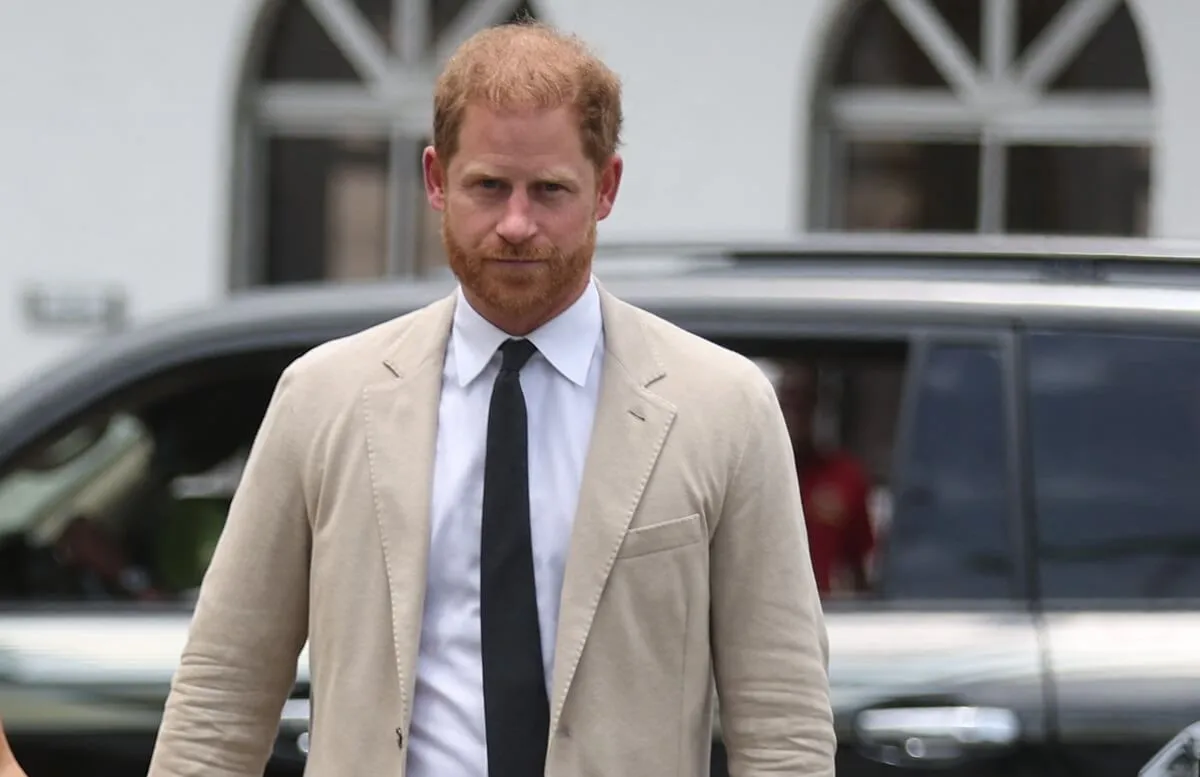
(1002, 101)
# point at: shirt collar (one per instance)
(567, 341)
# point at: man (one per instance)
(8, 762)
(523, 527)
(834, 489)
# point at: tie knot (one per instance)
(515, 353)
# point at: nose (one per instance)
(517, 225)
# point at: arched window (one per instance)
(335, 113)
(1022, 116)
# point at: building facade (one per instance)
(158, 155)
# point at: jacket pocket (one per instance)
(660, 537)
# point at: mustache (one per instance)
(525, 252)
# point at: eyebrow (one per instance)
(553, 175)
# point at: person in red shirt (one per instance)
(834, 489)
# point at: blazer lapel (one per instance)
(629, 430)
(401, 431)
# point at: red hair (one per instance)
(528, 65)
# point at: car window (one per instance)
(1114, 430)
(130, 508)
(950, 537)
(928, 439)
(840, 400)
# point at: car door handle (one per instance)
(295, 722)
(913, 736)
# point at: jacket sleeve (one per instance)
(770, 649)
(251, 618)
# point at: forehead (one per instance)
(534, 137)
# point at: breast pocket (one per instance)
(660, 537)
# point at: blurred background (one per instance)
(159, 155)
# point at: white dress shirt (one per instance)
(561, 384)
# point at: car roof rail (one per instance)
(1049, 256)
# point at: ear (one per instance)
(607, 186)
(435, 179)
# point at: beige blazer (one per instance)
(688, 560)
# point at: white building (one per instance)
(155, 154)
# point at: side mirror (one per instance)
(1178, 758)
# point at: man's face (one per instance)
(520, 202)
